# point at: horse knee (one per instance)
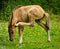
(32, 25)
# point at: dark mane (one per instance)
(10, 23)
(17, 7)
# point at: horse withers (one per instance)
(27, 15)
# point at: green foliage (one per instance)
(7, 6)
(33, 38)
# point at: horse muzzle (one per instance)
(11, 39)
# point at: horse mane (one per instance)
(17, 7)
(10, 22)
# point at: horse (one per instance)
(28, 15)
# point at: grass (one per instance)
(33, 38)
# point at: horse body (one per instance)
(27, 15)
(22, 13)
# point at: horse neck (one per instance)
(11, 21)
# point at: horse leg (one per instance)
(30, 23)
(21, 28)
(46, 28)
(22, 23)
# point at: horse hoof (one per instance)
(49, 40)
(20, 43)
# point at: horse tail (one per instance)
(47, 20)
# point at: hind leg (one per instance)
(21, 28)
(46, 28)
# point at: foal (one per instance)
(27, 15)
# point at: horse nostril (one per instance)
(10, 39)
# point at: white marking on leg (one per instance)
(48, 34)
(16, 24)
(20, 40)
(22, 23)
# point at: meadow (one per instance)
(33, 37)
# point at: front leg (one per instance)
(31, 23)
(22, 23)
(21, 28)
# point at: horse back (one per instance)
(21, 13)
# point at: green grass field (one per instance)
(33, 38)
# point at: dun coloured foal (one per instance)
(27, 15)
